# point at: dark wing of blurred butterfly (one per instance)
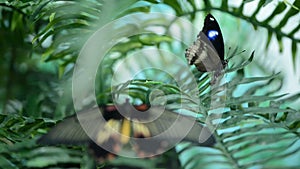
(70, 132)
(207, 52)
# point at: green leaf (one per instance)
(4, 162)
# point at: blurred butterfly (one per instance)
(70, 131)
(207, 52)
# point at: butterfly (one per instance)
(132, 125)
(207, 52)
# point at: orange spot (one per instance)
(142, 107)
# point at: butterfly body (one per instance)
(207, 52)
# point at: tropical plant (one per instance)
(41, 40)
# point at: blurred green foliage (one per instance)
(39, 46)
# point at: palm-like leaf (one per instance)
(66, 18)
(256, 128)
(251, 131)
(282, 8)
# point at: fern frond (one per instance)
(283, 8)
(248, 134)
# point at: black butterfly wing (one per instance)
(207, 52)
(213, 32)
(203, 55)
(198, 135)
(180, 126)
(166, 131)
(70, 132)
